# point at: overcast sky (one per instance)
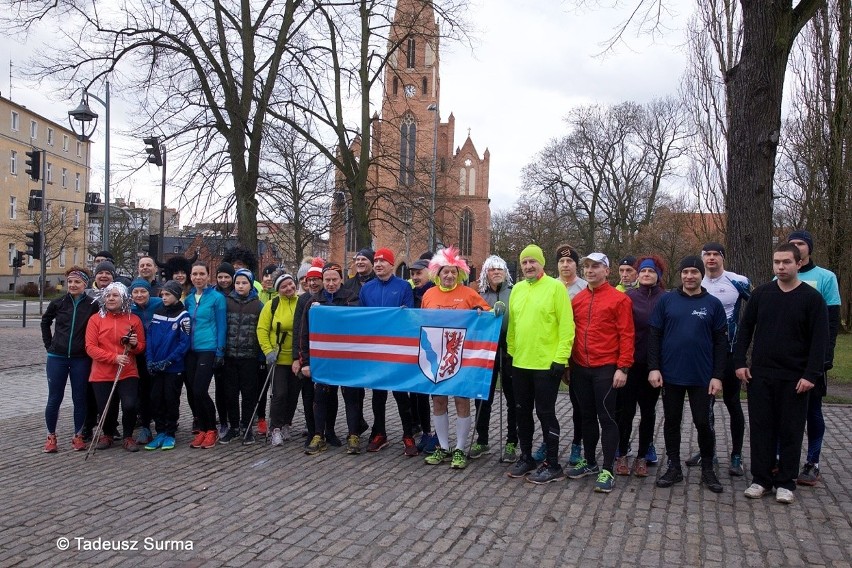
(532, 61)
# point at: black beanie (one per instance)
(714, 247)
(692, 262)
(174, 288)
(226, 267)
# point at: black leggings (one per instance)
(199, 370)
(126, 390)
(403, 403)
(241, 390)
(596, 397)
(285, 396)
(537, 389)
(637, 390)
(165, 401)
(483, 407)
(731, 398)
(700, 403)
(325, 405)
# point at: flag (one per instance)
(443, 352)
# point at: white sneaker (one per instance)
(285, 433)
(277, 439)
(784, 496)
(755, 491)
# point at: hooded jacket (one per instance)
(644, 300)
(69, 318)
(276, 329)
(243, 313)
(103, 343)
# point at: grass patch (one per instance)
(841, 373)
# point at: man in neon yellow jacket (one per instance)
(275, 334)
(539, 340)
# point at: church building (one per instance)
(426, 192)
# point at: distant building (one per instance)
(66, 182)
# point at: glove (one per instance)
(218, 362)
(499, 308)
(152, 369)
(557, 369)
(271, 357)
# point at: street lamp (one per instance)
(434, 108)
(84, 115)
(157, 156)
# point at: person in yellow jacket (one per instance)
(275, 334)
(539, 340)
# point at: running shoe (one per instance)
(410, 447)
(576, 454)
(582, 469)
(437, 457)
(546, 474)
(478, 450)
(377, 442)
(459, 460)
(51, 446)
(510, 452)
(541, 453)
(605, 482)
(157, 442)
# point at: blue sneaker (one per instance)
(541, 453)
(651, 455)
(576, 454)
(429, 443)
(582, 469)
(605, 482)
(157, 442)
(168, 443)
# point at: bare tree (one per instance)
(58, 232)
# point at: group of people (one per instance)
(616, 347)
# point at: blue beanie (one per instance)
(140, 283)
(802, 235)
(245, 272)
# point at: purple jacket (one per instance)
(644, 300)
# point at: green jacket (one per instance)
(276, 330)
(541, 324)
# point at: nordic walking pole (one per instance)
(502, 386)
(257, 406)
(99, 429)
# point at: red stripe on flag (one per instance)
(485, 345)
(366, 339)
(381, 357)
(472, 362)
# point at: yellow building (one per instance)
(66, 184)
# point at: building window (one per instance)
(33, 129)
(13, 163)
(79, 149)
(12, 253)
(462, 181)
(76, 225)
(409, 54)
(77, 182)
(46, 258)
(64, 142)
(13, 205)
(50, 137)
(407, 147)
(15, 121)
(48, 173)
(76, 255)
(62, 257)
(64, 177)
(63, 215)
(466, 233)
(395, 86)
(424, 84)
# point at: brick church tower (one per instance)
(416, 175)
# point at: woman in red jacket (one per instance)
(113, 338)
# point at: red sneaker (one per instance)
(104, 442)
(77, 443)
(198, 440)
(210, 439)
(262, 428)
(410, 446)
(51, 447)
(130, 445)
(377, 442)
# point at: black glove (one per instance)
(218, 362)
(557, 369)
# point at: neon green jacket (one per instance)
(271, 329)
(541, 324)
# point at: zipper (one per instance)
(588, 326)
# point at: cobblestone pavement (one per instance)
(262, 506)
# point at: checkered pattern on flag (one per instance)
(445, 352)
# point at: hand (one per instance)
(306, 371)
(218, 362)
(656, 379)
(122, 359)
(715, 387)
(619, 379)
(499, 308)
(557, 370)
(297, 366)
(803, 386)
(743, 374)
(132, 340)
(566, 376)
(271, 357)
(152, 368)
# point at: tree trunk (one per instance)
(755, 87)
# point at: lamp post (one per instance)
(84, 115)
(157, 156)
(434, 108)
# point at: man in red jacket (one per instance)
(601, 357)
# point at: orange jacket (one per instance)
(103, 344)
(603, 322)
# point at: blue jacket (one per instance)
(209, 321)
(147, 312)
(391, 293)
(168, 336)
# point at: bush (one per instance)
(30, 289)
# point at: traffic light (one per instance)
(152, 146)
(34, 164)
(18, 261)
(34, 203)
(93, 202)
(34, 245)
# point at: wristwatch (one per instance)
(624, 370)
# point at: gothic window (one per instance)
(409, 54)
(407, 146)
(462, 181)
(471, 179)
(424, 85)
(395, 86)
(466, 233)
